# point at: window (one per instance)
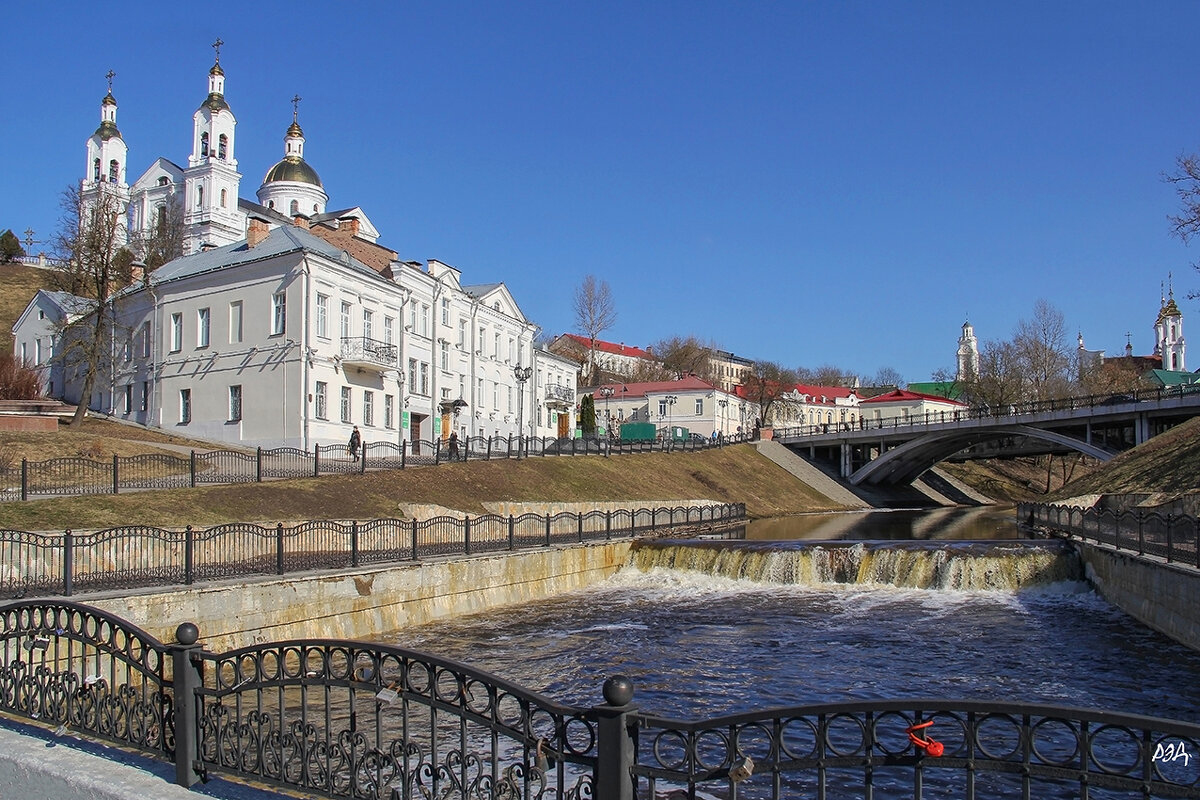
(345, 320)
(199, 197)
(368, 408)
(114, 170)
(699, 406)
(224, 196)
(462, 333)
(96, 170)
(345, 404)
(127, 349)
(368, 324)
(323, 316)
(202, 325)
(222, 149)
(163, 181)
(145, 336)
(278, 313)
(496, 345)
(662, 408)
(508, 390)
(389, 328)
(145, 395)
(235, 322)
(176, 332)
(482, 339)
(496, 395)
(424, 378)
(295, 207)
(127, 398)
(445, 354)
(185, 406)
(321, 400)
(389, 410)
(204, 143)
(412, 374)
(445, 311)
(424, 320)
(412, 315)
(235, 403)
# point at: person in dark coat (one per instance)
(355, 441)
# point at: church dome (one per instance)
(293, 169)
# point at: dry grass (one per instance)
(96, 439)
(18, 285)
(732, 474)
(1168, 464)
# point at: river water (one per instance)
(785, 621)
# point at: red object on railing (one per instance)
(927, 746)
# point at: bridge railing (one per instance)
(1001, 412)
(1172, 537)
(33, 564)
(349, 719)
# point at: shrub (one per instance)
(19, 380)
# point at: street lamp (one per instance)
(724, 416)
(521, 374)
(670, 400)
(606, 392)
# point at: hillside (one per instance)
(731, 474)
(1168, 464)
(18, 285)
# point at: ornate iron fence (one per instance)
(1172, 537)
(343, 719)
(33, 564)
(84, 476)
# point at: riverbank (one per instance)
(735, 474)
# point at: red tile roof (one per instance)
(609, 347)
(904, 394)
(689, 384)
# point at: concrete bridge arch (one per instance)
(903, 464)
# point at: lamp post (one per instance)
(724, 417)
(606, 392)
(670, 400)
(521, 374)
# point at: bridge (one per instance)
(893, 452)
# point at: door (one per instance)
(564, 425)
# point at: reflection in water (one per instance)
(988, 522)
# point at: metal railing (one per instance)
(85, 476)
(1172, 537)
(1007, 412)
(344, 719)
(361, 349)
(33, 564)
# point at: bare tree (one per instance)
(1186, 180)
(595, 312)
(1041, 346)
(162, 240)
(885, 376)
(91, 268)
(766, 383)
(1001, 381)
(824, 375)
(685, 355)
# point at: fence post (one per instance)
(614, 745)
(278, 548)
(414, 539)
(24, 479)
(1168, 538)
(354, 543)
(1141, 535)
(316, 460)
(508, 448)
(185, 680)
(258, 467)
(547, 530)
(189, 555)
(511, 533)
(467, 535)
(579, 519)
(437, 451)
(403, 452)
(362, 465)
(68, 562)
(192, 468)
(466, 448)
(116, 484)
(608, 524)
(489, 450)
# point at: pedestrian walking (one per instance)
(355, 441)
(453, 446)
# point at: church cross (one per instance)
(295, 106)
(110, 75)
(217, 46)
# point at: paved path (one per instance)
(811, 475)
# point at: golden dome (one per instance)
(293, 169)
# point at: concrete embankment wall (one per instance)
(363, 603)
(1163, 596)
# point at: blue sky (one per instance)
(810, 183)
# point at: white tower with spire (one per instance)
(968, 354)
(106, 156)
(210, 203)
(1168, 333)
(292, 187)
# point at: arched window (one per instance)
(96, 170)
(315, 208)
(160, 221)
(222, 198)
(270, 204)
(114, 169)
(295, 206)
(204, 143)
(162, 180)
(222, 146)
(199, 197)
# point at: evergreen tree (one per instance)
(10, 247)
(587, 415)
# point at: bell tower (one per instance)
(1168, 333)
(106, 157)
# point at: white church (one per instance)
(286, 324)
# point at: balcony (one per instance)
(372, 354)
(562, 395)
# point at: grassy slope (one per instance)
(732, 474)
(18, 285)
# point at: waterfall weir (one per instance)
(972, 565)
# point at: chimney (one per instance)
(300, 221)
(258, 231)
(352, 225)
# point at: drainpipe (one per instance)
(304, 368)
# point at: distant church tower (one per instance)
(968, 354)
(1168, 334)
(105, 175)
(211, 179)
(292, 187)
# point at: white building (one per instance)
(906, 406)
(290, 331)
(832, 406)
(689, 402)
(36, 334)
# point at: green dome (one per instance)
(294, 169)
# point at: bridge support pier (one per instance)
(1141, 429)
(847, 460)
